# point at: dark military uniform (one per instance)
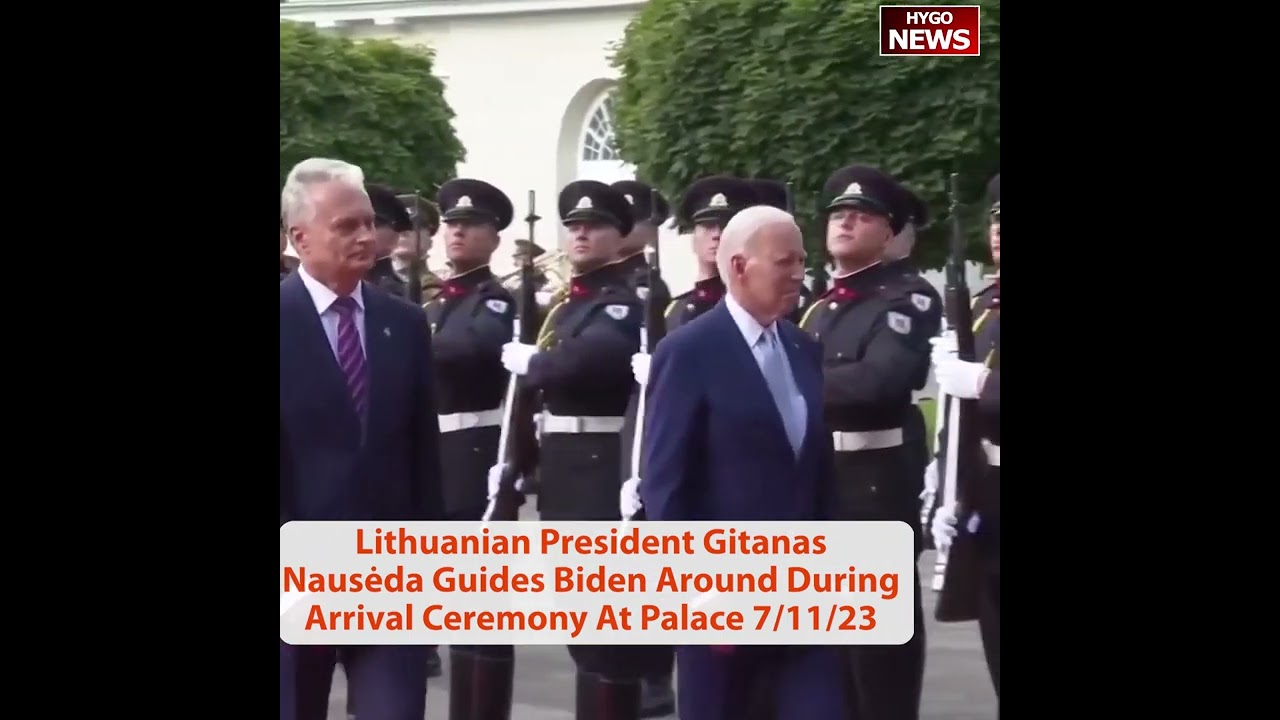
(584, 374)
(875, 353)
(427, 224)
(471, 318)
(927, 300)
(983, 513)
(687, 306)
(388, 212)
(657, 696)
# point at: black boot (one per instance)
(462, 667)
(657, 697)
(600, 699)
(494, 684)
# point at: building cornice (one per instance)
(337, 13)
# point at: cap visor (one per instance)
(593, 216)
(860, 202)
(467, 214)
(720, 215)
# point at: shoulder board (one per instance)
(493, 288)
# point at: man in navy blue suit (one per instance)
(735, 432)
(358, 426)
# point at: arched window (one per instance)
(597, 135)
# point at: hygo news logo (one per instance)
(930, 30)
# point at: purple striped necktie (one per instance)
(351, 355)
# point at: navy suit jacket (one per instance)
(328, 471)
(714, 444)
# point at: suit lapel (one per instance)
(310, 342)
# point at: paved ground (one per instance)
(956, 685)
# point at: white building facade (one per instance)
(530, 82)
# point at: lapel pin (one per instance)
(386, 331)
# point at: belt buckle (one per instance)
(468, 420)
(579, 424)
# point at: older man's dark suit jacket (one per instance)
(329, 469)
(715, 449)
(714, 444)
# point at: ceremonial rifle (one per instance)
(517, 440)
(413, 293)
(652, 330)
(413, 289)
(957, 573)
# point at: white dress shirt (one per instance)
(323, 297)
(751, 332)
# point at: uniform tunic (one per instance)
(471, 319)
(584, 374)
(904, 275)
(876, 351)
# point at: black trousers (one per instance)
(886, 681)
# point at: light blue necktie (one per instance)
(775, 376)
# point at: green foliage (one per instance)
(795, 89)
(373, 103)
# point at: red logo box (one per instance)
(930, 30)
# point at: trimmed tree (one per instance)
(795, 89)
(373, 103)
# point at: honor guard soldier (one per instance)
(875, 353)
(581, 365)
(471, 318)
(897, 259)
(774, 193)
(390, 219)
(706, 206)
(980, 381)
(415, 246)
(648, 210)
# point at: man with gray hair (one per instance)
(735, 401)
(358, 428)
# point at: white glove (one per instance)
(930, 480)
(640, 367)
(495, 479)
(629, 498)
(961, 379)
(944, 527)
(542, 297)
(516, 357)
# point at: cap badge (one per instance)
(718, 201)
(464, 202)
(584, 204)
(630, 200)
(853, 189)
